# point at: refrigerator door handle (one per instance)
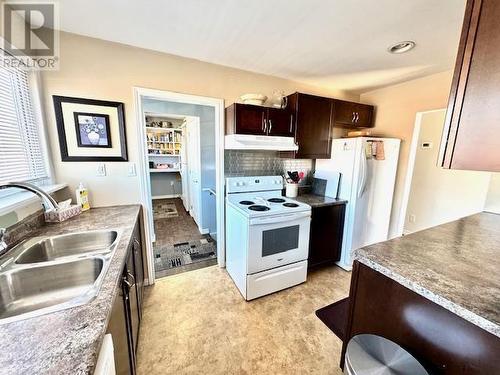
(364, 171)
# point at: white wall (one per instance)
(440, 195)
(493, 199)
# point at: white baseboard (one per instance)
(166, 196)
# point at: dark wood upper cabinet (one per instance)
(471, 138)
(246, 119)
(280, 122)
(312, 116)
(258, 120)
(350, 114)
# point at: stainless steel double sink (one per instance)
(51, 273)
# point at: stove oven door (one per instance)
(278, 240)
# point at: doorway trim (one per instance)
(145, 188)
(410, 168)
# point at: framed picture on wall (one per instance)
(90, 129)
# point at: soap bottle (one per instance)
(82, 197)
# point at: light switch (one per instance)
(132, 171)
(101, 170)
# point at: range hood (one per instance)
(259, 142)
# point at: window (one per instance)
(21, 156)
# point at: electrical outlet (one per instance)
(412, 218)
(132, 171)
(101, 170)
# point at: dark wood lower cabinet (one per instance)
(443, 342)
(127, 308)
(325, 239)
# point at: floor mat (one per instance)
(335, 317)
(181, 254)
(164, 210)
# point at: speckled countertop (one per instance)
(68, 341)
(456, 265)
(318, 200)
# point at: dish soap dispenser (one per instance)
(82, 197)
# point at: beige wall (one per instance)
(397, 107)
(493, 199)
(440, 195)
(92, 68)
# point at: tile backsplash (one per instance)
(264, 163)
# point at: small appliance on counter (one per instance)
(267, 236)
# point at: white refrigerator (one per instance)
(368, 186)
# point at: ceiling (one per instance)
(328, 43)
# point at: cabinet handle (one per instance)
(353, 117)
(291, 122)
(132, 276)
(265, 126)
(357, 116)
(263, 123)
(270, 125)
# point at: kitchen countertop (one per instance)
(318, 200)
(455, 265)
(68, 341)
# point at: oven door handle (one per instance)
(280, 219)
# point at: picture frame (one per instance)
(90, 129)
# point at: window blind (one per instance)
(21, 156)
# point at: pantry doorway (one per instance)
(181, 145)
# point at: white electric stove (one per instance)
(267, 236)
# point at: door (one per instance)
(314, 115)
(277, 241)
(194, 169)
(280, 122)
(184, 170)
(250, 119)
(374, 191)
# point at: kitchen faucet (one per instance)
(48, 202)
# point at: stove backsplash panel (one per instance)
(264, 163)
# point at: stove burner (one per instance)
(258, 208)
(276, 200)
(246, 203)
(290, 205)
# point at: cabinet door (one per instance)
(471, 139)
(132, 295)
(327, 229)
(352, 114)
(250, 119)
(119, 329)
(139, 272)
(345, 112)
(280, 122)
(364, 116)
(313, 122)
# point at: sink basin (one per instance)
(36, 290)
(73, 244)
